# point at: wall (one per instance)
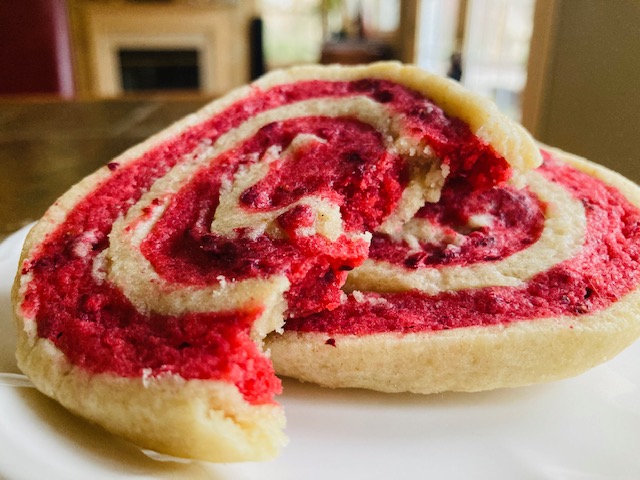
(35, 55)
(583, 93)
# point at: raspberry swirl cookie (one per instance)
(485, 289)
(145, 293)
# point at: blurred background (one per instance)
(84, 79)
(107, 48)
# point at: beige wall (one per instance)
(583, 93)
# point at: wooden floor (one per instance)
(47, 146)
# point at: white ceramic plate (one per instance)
(582, 428)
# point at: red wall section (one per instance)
(35, 53)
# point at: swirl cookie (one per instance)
(145, 293)
(485, 289)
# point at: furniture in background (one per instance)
(362, 32)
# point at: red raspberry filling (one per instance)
(515, 221)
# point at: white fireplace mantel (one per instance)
(218, 32)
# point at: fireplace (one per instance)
(167, 46)
(153, 70)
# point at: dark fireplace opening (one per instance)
(146, 69)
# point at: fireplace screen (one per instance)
(146, 69)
